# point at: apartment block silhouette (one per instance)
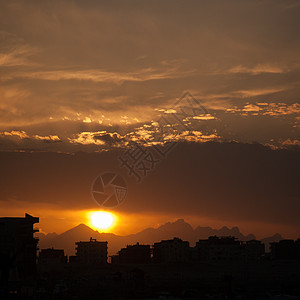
(18, 249)
(91, 252)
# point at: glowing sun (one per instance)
(102, 219)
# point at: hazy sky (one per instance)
(97, 75)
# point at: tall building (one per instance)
(229, 249)
(134, 254)
(174, 250)
(51, 260)
(18, 249)
(92, 252)
(216, 249)
(284, 249)
(253, 250)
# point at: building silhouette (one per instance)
(174, 250)
(91, 252)
(218, 249)
(18, 249)
(51, 260)
(228, 249)
(217, 267)
(133, 254)
(253, 250)
(285, 249)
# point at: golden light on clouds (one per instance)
(73, 97)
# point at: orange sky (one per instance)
(57, 220)
(83, 81)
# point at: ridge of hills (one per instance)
(169, 230)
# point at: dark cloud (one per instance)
(110, 139)
(237, 182)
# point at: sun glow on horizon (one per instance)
(102, 220)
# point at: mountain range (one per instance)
(179, 228)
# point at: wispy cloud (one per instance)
(96, 75)
(17, 56)
(256, 92)
(223, 100)
(57, 66)
(258, 69)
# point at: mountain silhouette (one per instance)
(204, 232)
(169, 230)
(67, 239)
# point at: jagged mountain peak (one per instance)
(180, 222)
(179, 228)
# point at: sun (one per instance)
(102, 219)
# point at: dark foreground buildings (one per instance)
(175, 250)
(92, 252)
(285, 250)
(51, 260)
(17, 256)
(228, 249)
(215, 268)
(133, 254)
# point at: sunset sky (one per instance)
(81, 82)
